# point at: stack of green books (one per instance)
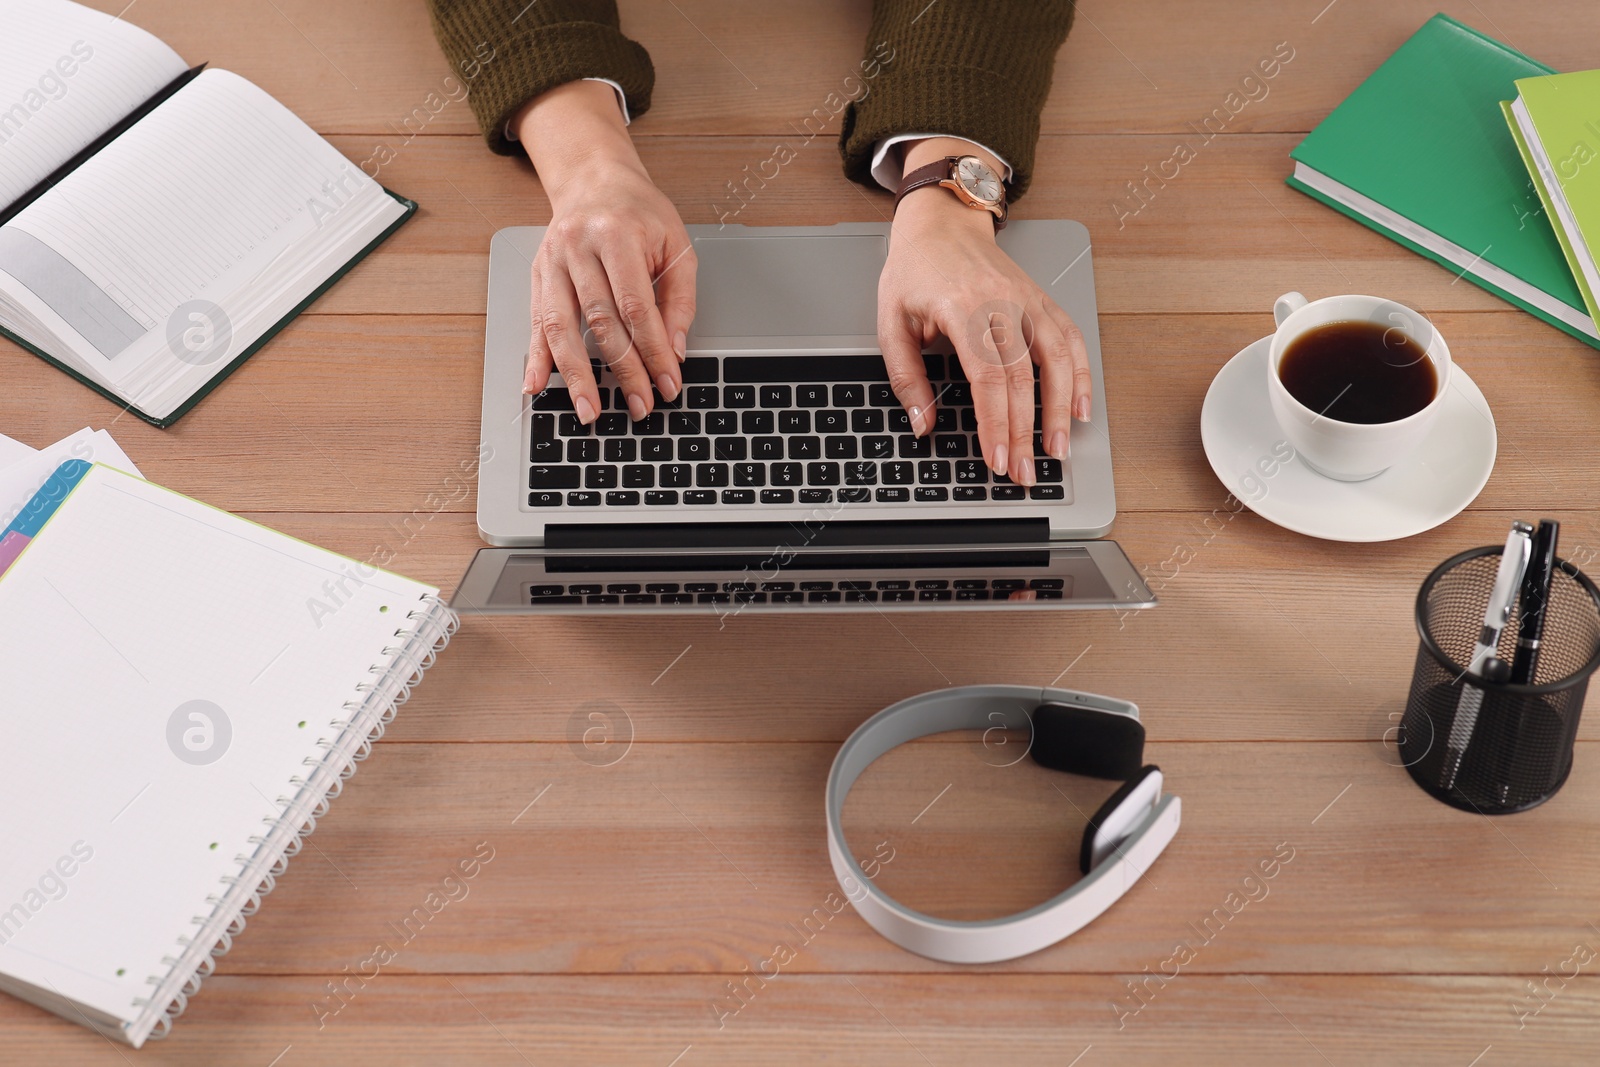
(1421, 153)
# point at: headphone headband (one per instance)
(1122, 841)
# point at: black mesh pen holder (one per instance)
(1512, 743)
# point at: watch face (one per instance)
(978, 179)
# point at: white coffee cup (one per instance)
(1351, 451)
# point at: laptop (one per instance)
(785, 477)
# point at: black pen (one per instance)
(1535, 599)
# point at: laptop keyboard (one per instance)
(775, 430)
(819, 591)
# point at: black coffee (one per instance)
(1358, 372)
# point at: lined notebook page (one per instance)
(68, 74)
(194, 203)
(132, 612)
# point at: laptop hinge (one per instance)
(821, 533)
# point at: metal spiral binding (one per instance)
(419, 647)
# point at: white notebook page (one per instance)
(194, 203)
(68, 74)
(132, 603)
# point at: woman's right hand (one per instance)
(615, 264)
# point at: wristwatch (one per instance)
(973, 182)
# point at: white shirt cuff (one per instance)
(622, 102)
(886, 169)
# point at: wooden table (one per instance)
(632, 883)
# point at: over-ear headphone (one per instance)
(1080, 733)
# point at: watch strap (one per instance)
(942, 170)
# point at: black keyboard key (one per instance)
(1047, 469)
(880, 447)
(777, 496)
(787, 474)
(972, 471)
(612, 424)
(622, 587)
(571, 427)
(583, 450)
(739, 396)
(950, 445)
(546, 590)
(855, 585)
(584, 590)
(958, 373)
(621, 450)
(749, 474)
(638, 598)
(813, 586)
(934, 365)
(661, 496)
(969, 420)
(715, 598)
(600, 477)
(861, 472)
(897, 473)
(766, 448)
(638, 476)
(699, 369)
(674, 475)
(894, 583)
(699, 587)
(677, 598)
(932, 492)
(855, 494)
(652, 425)
(700, 496)
(849, 396)
(972, 594)
(824, 473)
(944, 420)
(832, 421)
(899, 421)
(934, 472)
(583, 500)
(824, 597)
(711, 475)
(702, 396)
(1007, 585)
(786, 369)
(816, 496)
(738, 496)
(861, 596)
(932, 583)
(805, 447)
(788, 598)
(553, 477)
(915, 447)
(935, 594)
(683, 423)
(794, 421)
(729, 449)
(898, 596)
(881, 396)
(777, 587)
(866, 420)
(544, 500)
(970, 583)
(556, 600)
(1047, 583)
(1008, 492)
(545, 451)
(956, 394)
(1047, 492)
(542, 425)
(971, 492)
(603, 394)
(754, 422)
(840, 448)
(661, 587)
(692, 449)
(811, 396)
(657, 449)
(721, 422)
(898, 494)
(777, 396)
(622, 498)
(552, 400)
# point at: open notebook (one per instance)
(182, 692)
(159, 223)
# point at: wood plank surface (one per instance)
(639, 881)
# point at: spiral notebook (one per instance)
(182, 692)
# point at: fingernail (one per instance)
(917, 428)
(668, 387)
(1023, 475)
(528, 390)
(1058, 445)
(636, 406)
(680, 345)
(584, 409)
(1000, 456)
(1081, 409)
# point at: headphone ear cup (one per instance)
(1088, 741)
(1109, 826)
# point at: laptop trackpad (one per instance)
(788, 286)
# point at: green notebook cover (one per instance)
(1565, 112)
(238, 361)
(1423, 136)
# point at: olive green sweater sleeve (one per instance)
(976, 69)
(509, 51)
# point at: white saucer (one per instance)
(1248, 451)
